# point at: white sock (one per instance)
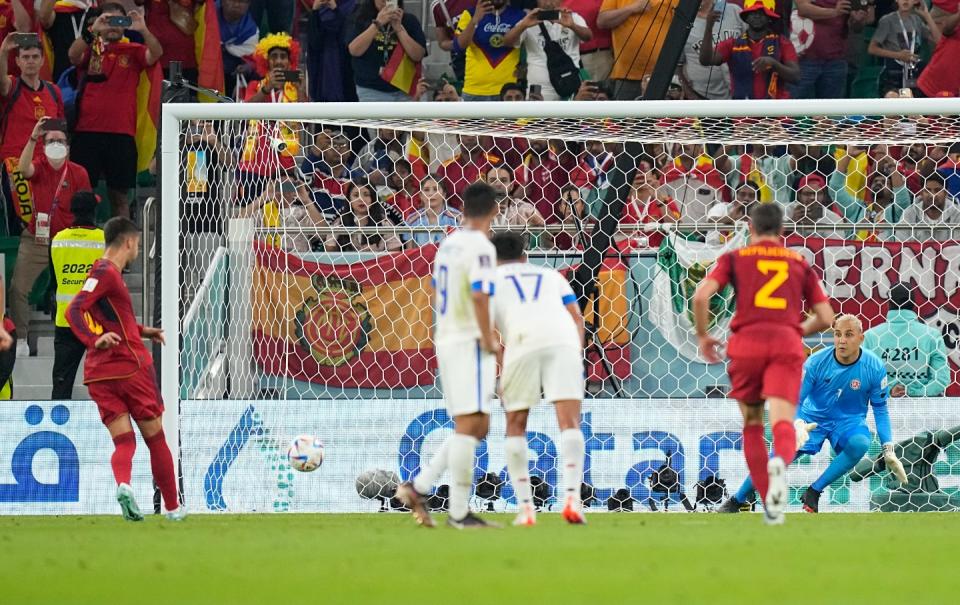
(571, 457)
(515, 449)
(461, 459)
(430, 473)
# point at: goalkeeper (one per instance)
(838, 384)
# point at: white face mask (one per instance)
(55, 151)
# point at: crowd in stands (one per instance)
(72, 109)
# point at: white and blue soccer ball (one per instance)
(305, 453)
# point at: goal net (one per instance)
(297, 242)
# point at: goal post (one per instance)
(326, 322)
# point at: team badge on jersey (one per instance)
(855, 384)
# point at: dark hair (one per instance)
(511, 86)
(30, 46)
(509, 245)
(509, 170)
(83, 205)
(377, 216)
(479, 200)
(901, 298)
(366, 12)
(442, 184)
(752, 185)
(935, 177)
(118, 230)
(767, 219)
(113, 7)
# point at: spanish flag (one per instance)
(358, 325)
(148, 114)
(209, 57)
(401, 71)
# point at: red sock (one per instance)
(161, 463)
(755, 451)
(124, 446)
(785, 441)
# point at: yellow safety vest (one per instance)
(73, 252)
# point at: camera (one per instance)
(278, 145)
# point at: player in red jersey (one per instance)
(765, 349)
(119, 369)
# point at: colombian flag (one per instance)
(364, 325)
(401, 71)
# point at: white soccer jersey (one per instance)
(465, 261)
(529, 307)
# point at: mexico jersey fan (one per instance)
(537, 315)
(771, 283)
(119, 370)
(463, 273)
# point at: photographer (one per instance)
(104, 142)
(53, 180)
(897, 40)
(380, 27)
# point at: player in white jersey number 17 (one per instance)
(539, 320)
(463, 274)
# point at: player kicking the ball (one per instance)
(765, 349)
(839, 384)
(537, 315)
(463, 274)
(119, 370)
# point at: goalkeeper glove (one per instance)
(893, 463)
(803, 429)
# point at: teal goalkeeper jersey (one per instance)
(913, 352)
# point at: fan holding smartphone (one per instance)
(387, 45)
(551, 37)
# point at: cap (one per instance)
(766, 6)
(813, 181)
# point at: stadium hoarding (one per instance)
(233, 452)
(55, 459)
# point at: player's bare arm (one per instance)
(820, 320)
(701, 318)
(154, 334)
(108, 341)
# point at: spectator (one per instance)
(757, 165)
(490, 63)
(24, 99)
(949, 168)
(897, 41)
(379, 29)
(107, 119)
(15, 16)
(887, 199)
(710, 82)
(747, 195)
(759, 58)
(513, 211)
(575, 214)
(647, 204)
(467, 166)
(328, 61)
(276, 15)
(204, 159)
(286, 205)
(810, 213)
(693, 182)
(567, 31)
(446, 14)
(434, 211)
(53, 181)
(914, 353)
(174, 25)
(72, 251)
(511, 91)
(403, 197)
(639, 28)
(270, 146)
(378, 157)
(328, 167)
(364, 211)
(595, 53)
(542, 177)
(853, 161)
(823, 54)
(239, 36)
(63, 22)
(932, 208)
(941, 74)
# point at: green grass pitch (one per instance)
(839, 559)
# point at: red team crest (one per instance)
(855, 384)
(333, 327)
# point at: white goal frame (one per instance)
(173, 114)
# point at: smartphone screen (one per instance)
(55, 124)
(535, 89)
(26, 39)
(548, 15)
(119, 21)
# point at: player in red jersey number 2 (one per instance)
(119, 369)
(765, 348)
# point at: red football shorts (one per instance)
(765, 363)
(137, 396)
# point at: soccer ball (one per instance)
(305, 453)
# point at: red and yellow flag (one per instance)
(209, 56)
(401, 71)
